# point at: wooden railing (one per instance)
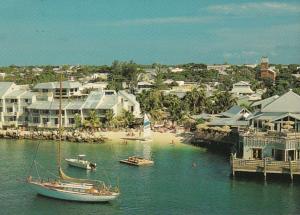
(265, 166)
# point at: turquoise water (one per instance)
(171, 186)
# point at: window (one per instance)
(71, 121)
(257, 153)
(132, 109)
(1, 109)
(36, 120)
(9, 109)
(56, 121)
(44, 111)
(14, 101)
(45, 120)
(45, 90)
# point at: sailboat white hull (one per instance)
(78, 163)
(70, 196)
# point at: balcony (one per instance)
(289, 140)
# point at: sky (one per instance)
(36, 32)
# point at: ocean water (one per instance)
(184, 180)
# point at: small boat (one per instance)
(81, 162)
(137, 161)
(147, 134)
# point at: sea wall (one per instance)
(72, 136)
(216, 141)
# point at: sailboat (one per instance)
(73, 189)
(146, 131)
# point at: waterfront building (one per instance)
(14, 101)
(272, 144)
(235, 117)
(277, 110)
(69, 89)
(45, 113)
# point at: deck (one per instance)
(265, 166)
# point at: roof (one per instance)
(265, 102)
(75, 105)
(242, 83)
(130, 97)
(273, 116)
(93, 100)
(234, 110)
(288, 102)
(56, 85)
(4, 86)
(14, 94)
(27, 94)
(108, 102)
(47, 105)
(226, 121)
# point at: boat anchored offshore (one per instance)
(66, 188)
(137, 161)
(81, 163)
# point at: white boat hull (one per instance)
(70, 196)
(76, 163)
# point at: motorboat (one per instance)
(81, 162)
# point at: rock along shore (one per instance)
(71, 136)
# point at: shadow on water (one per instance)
(259, 178)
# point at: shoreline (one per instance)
(97, 137)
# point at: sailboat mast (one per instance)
(59, 123)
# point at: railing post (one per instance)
(232, 164)
(265, 169)
(291, 168)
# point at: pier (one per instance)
(265, 166)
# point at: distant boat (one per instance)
(137, 161)
(147, 128)
(147, 134)
(73, 189)
(81, 162)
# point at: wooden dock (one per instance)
(137, 161)
(265, 166)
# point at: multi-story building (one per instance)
(45, 113)
(14, 101)
(272, 145)
(265, 71)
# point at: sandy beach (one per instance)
(157, 137)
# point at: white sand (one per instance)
(158, 137)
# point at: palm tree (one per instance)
(128, 118)
(196, 100)
(109, 115)
(78, 120)
(174, 107)
(223, 101)
(94, 121)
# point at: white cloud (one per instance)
(159, 21)
(262, 7)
